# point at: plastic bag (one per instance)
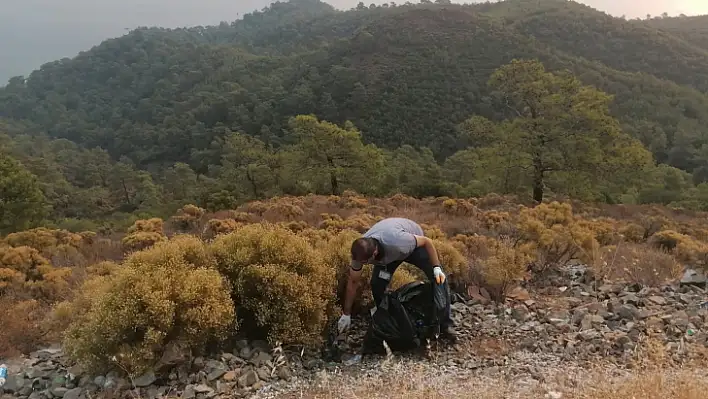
(406, 317)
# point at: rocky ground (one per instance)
(538, 343)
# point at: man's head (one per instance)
(364, 250)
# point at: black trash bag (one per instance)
(408, 316)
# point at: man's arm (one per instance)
(427, 243)
(352, 288)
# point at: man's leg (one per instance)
(380, 278)
(421, 260)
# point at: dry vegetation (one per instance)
(197, 278)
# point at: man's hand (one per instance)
(439, 275)
(344, 322)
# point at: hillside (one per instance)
(693, 29)
(563, 298)
(185, 103)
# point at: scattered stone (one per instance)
(694, 277)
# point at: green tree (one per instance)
(22, 203)
(248, 166)
(332, 158)
(559, 128)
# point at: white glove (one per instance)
(439, 275)
(344, 322)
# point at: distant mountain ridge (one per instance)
(404, 75)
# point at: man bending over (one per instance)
(386, 245)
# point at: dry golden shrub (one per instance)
(295, 226)
(360, 223)
(180, 249)
(556, 234)
(605, 230)
(459, 207)
(283, 211)
(315, 236)
(267, 266)
(433, 232)
(352, 200)
(140, 240)
(42, 238)
(403, 201)
(215, 227)
(256, 207)
(498, 264)
(187, 218)
(494, 200)
(60, 247)
(685, 248)
(632, 232)
(499, 223)
(455, 265)
(144, 234)
(103, 268)
(160, 295)
(26, 274)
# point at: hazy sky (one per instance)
(33, 32)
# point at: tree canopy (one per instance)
(520, 96)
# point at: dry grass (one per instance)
(419, 382)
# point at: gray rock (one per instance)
(13, 384)
(145, 380)
(201, 388)
(628, 312)
(520, 313)
(173, 355)
(74, 393)
(216, 374)
(100, 381)
(59, 391)
(657, 300)
(693, 277)
(284, 373)
(189, 392)
(248, 379)
(259, 358)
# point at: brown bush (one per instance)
(160, 295)
(456, 265)
(685, 248)
(23, 329)
(460, 207)
(556, 234)
(270, 263)
(144, 234)
(60, 247)
(283, 211)
(632, 232)
(43, 239)
(25, 273)
(497, 264)
(352, 200)
(188, 218)
(360, 223)
(637, 263)
(216, 227)
(104, 268)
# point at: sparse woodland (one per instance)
(196, 185)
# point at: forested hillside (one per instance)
(424, 99)
(693, 29)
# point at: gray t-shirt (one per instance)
(396, 237)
